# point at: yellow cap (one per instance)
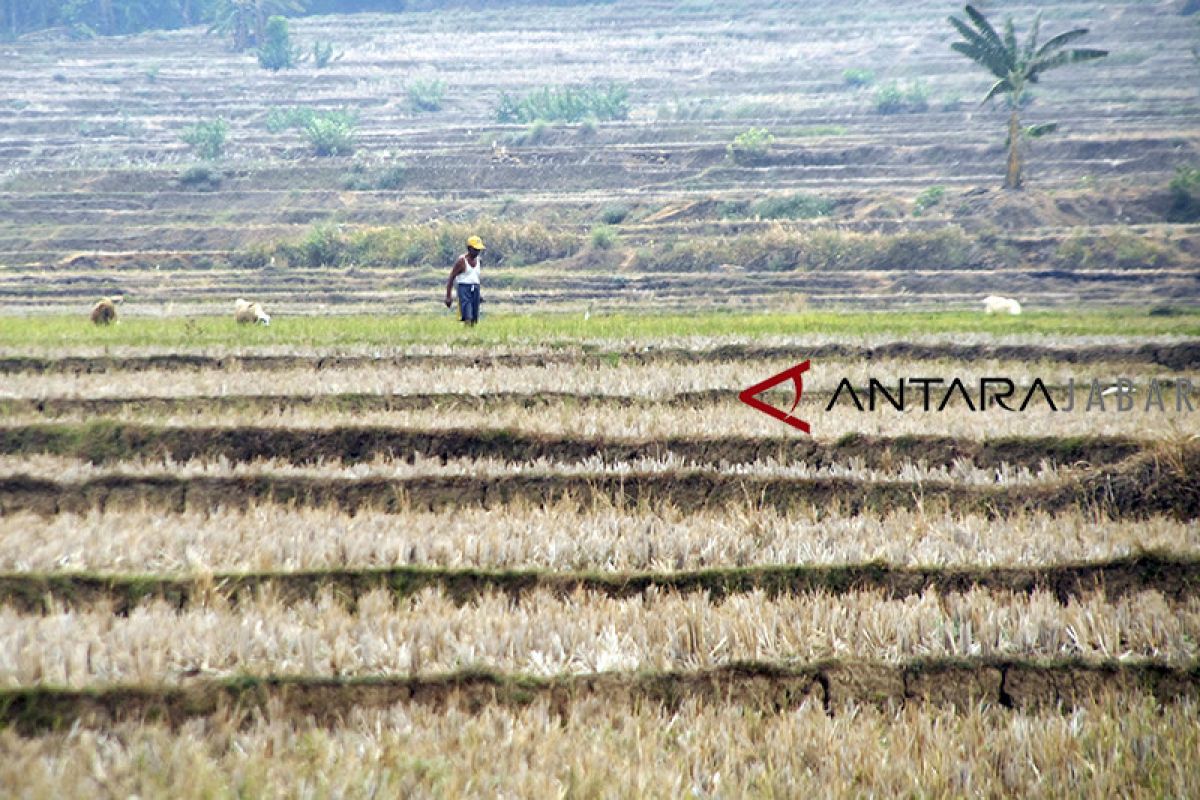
(475, 242)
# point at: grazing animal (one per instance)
(246, 313)
(105, 310)
(994, 304)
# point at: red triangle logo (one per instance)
(749, 395)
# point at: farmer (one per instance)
(465, 275)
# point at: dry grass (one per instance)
(962, 472)
(572, 342)
(586, 632)
(729, 418)
(1116, 745)
(457, 373)
(562, 537)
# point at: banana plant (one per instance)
(245, 21)
(1015, 68)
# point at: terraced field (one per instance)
(591, 563)
(96, 198)
(365, 553)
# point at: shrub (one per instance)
(276, 51)
(858, 77)
(208, 138)
(389, 178)
(282, 119)
(1185, 195)
(322, 246)
(323, 54)
(780, 248)
(426, 95)
(1119, 249)
(890, 98)
(565, 104)
(331, 134)
(603, 237)
(750, 146)
(797, 206)
(200, 177)
(436, 244)
(537, 132)
(614, 215)
(927, 199)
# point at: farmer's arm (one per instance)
(454, 272)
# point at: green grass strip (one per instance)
(552, 328)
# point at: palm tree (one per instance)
(1015, 68)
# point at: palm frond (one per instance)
(1062, 59)
(1031, 42)
(1036, 131)
(985, 56)
(1010, 37)
(999, 87)
(1056, 42)
(984, 26)
(970, 34)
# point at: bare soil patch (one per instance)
(1157, 483)
(1174, 577)
(110, 442)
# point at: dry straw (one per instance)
(545, 634)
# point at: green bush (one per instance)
(426, 245)
(565, 104)
(200, 177)
(1185, 195)
(783, 248)
(796, 206)
(1116, 249)
(750, 146)
(276, 51)
(890, 98)
(614, 214)
(208, 138)
(604, 237)
(858, 77)
(360, 179)
(927, 199)
(282, 119)
(537, 132)
(426, 95)
(331, 134)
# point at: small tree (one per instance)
(277, 52)
(751, 146)
(1015, 68)
(331, 134)
(208, 138)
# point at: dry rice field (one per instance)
(363, 553)
(591, 577)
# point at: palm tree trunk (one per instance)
(1013, 179)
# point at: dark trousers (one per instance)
(468, 301)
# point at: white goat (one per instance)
(246, 312)
(994, 304)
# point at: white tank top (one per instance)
(469, 274)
